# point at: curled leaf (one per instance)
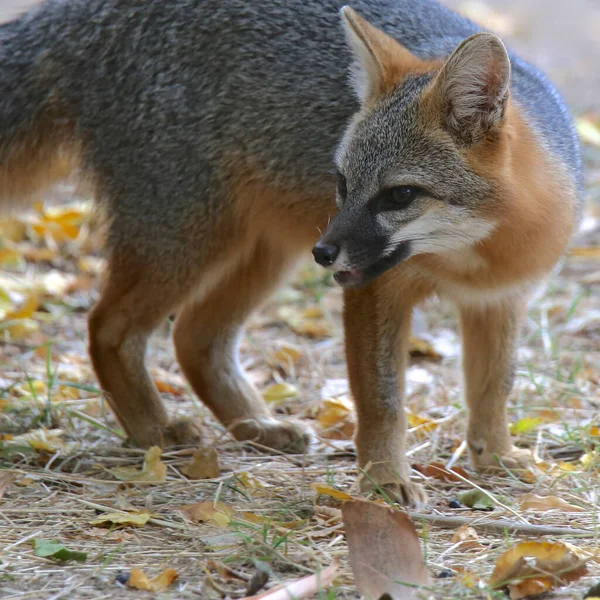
(217, 514)
(204, 465)
(279, 392)
(533, 568)
(153, 470)
(160, 583)
(543, 503)
(331, 492)
(121, 519)
(476, 500)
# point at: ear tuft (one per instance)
(379, 61)
(474, 85)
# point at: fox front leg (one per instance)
(489, 336)
(377, 322)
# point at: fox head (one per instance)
(406, 185)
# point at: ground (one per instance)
(62, 454)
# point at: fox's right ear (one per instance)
(380, 62)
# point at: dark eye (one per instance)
(342, 188)
(399, 197)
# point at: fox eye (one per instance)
(342, 188)
(399, 197)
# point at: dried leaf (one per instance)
(51, 549)
(301, 588)
(166, 388)
(533, 568)
(121, 519)
(6, 479)
(525, 425)
(140, 581)
(419, 348)
(438, 471)
(585, 252)
(419, 423)
(280, 392)
(308, 322)
(204, 465)
(217, 514)
(589, 132)
(45, 440)
(331, 492)
(153, 470)
(467, 538)
(336, 419)
(543, 503)
(476, 500)
(287, 354)
(384, 551)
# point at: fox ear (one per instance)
(473, 85)
(380, 62)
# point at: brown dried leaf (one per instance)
(438, 471)
(204, 465)
(467, 538)
(140, 581)
(543, 503)
(121, 519)
(5, 481)
(384, 551)
(532, 568)
(419, 348)
(336, 419)
(153, 471)
(207, 512)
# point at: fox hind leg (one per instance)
(207, 334)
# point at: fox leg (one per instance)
(134, 301)
(207, 334)
(377, 321)
(489, 336)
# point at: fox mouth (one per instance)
(360, 276)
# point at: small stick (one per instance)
(500, 525)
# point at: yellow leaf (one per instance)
(140, 581)
(422, 349)
(594, 430)
(204, 465)
(12, 229)
(531, 568)
(10, 259)
(166, 388)
(312, 312)
(307, 322)
(543, 503)
(279, 392)
(217, 514)
(422, 423)
(525, 425)
(589, 132)
(153, 471)
(26, 310)
(336, 419)
(286, 354)
(46, 440)
(331, 492)
(585, 252)
(121, 519)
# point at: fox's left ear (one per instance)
(473, 87)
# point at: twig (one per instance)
(500, 525)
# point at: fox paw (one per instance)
(404, 493)
(287, 436)
(179, 432)
(516, 459)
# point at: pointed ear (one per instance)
(473, 87)
(380, 62)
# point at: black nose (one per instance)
(325, 254)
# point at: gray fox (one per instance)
(207, 131)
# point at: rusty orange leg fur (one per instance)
(490, 336)
(207, 334)
(119, 326)
(377, 324)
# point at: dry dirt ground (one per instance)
(64, 463)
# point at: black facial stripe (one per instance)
(401, 252)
